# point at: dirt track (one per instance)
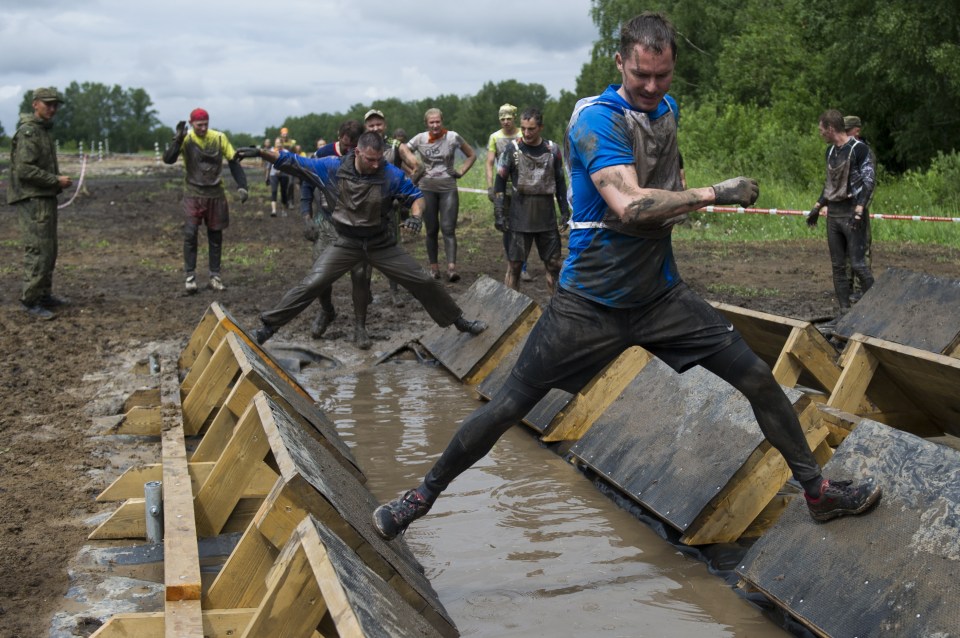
(120, 260)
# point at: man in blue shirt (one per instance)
(360, 188)
(620, 286)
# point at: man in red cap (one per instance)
(204, 202)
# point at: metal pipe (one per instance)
(153, 495)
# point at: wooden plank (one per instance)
(909, 308)
(127, 521)
(507, 344)
(139, 421)
(359, 601)
(751, 489)
(293, 605)
(889, 572)
(504, 311)
(212, 387)
(573, 422)
(858, 369)
(181, 554)
(198, 338)
(218, 623)
(675, 443)
(182, 618)
(236, 585)
(130, 483)
(232, 472)
(142, 398)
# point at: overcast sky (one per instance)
(252, 63)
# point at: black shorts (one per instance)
(518, 244)
(576, 338)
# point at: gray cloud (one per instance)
(253, 63)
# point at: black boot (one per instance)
(321, 323)
(474, 327)
(360, 335)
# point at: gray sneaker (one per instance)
(216, 283)
(191, 285)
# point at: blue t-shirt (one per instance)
(606, 266)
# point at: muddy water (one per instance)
(523, 544)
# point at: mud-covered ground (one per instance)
(120, 265)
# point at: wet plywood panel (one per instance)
(358, 600)
(909, 308)
(498, 376)
(892, 572)
(503, 309)
(673, 442)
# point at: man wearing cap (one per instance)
(846, 192)
(853, 126)
(400, 155)
(361, 187)
(35, 182)
(204, 201)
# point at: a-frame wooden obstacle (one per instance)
(309, 562)
(683, 446)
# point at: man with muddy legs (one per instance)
(204, 201)
(535, 169)
(396, 153)
(362, 188)
(620, 286)
(846, 193)
(318, 228)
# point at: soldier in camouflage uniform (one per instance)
(35, 182)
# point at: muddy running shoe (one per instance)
(473, 327)
(525, 276)
(361, 337)
(39, 312)
(52, 301)
(190, 285)
(321, 323)
(263, 333)
(392, 519)
(842, 498)
(216, 283)
(453, 276)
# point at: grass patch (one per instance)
(742, 291)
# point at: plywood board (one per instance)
(359, 601)
(891, 572)
(502, 308)
(910, 308)
(673, 442)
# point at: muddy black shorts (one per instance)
(576, 338)
(518, 244)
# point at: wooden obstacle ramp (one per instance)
(687, 447)
(795, 350)
(254, 376)
(906, 388)
(509, 316)
(909, 308)
(888, 573)
(318, 586)
(311, 481)
(213, 327)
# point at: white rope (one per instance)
(83, 169)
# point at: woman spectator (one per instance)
(438, 146)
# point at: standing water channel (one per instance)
(522, 544)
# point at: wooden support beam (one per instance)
(574, 420)
(130, 483)
(504, 347)
(217, 623)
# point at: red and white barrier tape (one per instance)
(777, 211)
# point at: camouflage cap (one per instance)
(374, 113)
(851, 121)
(48, 94)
